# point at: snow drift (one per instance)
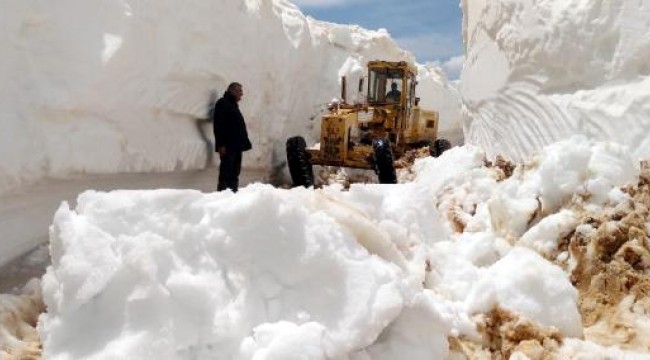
(539, 71)
(103, 87)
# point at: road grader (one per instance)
(370, 135)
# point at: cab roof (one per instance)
(402, 65)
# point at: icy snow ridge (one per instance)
(540, 71)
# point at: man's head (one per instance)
(393, 86)
(236, 90)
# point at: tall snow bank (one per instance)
(437, 93)
(104, 87)
(539, 71)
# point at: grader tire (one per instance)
(384, 165)
(302, 173)
(440, 146)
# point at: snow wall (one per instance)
(539, 71)
(119, 86)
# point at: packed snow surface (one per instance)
(374, 272)
(540, 71)
(119, 86)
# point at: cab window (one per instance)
(385, 86)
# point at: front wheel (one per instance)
(300, 168)
(384, 164)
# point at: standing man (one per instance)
(230, 136)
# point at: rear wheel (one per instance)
(440, 146)
(300, 168)
(384, 165)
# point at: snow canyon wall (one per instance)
(538, 71)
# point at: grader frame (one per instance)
(370, 135)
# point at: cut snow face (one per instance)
(477, 260)
(537, 72)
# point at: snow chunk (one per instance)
(525, 283)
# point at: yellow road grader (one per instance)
(372, 134)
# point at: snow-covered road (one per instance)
(26, 216)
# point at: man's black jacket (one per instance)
(229, 126)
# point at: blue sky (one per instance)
(431, 29)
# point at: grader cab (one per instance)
(372, 134)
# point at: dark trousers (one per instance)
(229, 170)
